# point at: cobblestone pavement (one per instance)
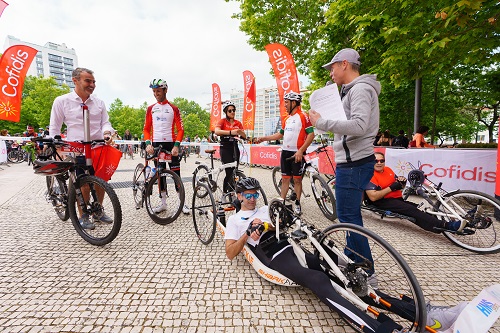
(155, 278)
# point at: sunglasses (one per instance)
(249, 196)
(231, 110)
(380, 161)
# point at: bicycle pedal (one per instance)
(298, 234)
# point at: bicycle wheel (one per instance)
(57, 193)
(482, 213)
(164, 206)
(201, 174)
(138, 183)
(204, 213)
(102, 209)
(237, 175)
(324, 197)
(397, 292)
(277, 184)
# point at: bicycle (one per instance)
(321, 188)
(210, 175)
(393, 290)
(146, 187)
(479, 212)
(87, 193)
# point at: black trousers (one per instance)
(398, 205)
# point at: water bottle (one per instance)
(147, 172)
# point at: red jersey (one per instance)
(381, 180)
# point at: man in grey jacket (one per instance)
(353, 141)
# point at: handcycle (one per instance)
(320, 188)
(147, 188)
(87, 195)
(379, 294)
(479, 212)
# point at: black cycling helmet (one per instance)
(246, 184)
(416, 177)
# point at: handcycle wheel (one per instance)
(482, 213)
(204, 213)
(138, 183)
(201, 173)
(277, 183)
(92, 189)
(393, 280)
(164, 207)
(237, 175)
(324, 197)
(57, 192)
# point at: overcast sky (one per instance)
(189, 43)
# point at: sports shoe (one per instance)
(442, 317)
(186, 209)
(85, 222)
(297, 210)
(160, 208)
(453, 225)
(104, 218)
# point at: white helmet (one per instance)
(226, 104)
(158, 83)
(293, 96)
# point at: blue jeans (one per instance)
(350, 184)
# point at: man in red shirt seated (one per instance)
(384, 192)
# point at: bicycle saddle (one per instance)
(416, 178)
(51, 167)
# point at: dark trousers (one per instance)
(398, 205)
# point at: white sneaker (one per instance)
(160, 208)
(297, 210)
(441, 318)
(186, 209)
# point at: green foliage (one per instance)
(196, 120)
(38, 95)
(123, 117)
(399, 41)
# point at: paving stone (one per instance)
(155, 278)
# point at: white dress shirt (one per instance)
(68, 109)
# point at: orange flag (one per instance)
(3, 4)
(14, 64)
(215, 113)
(249, 101)
(285, 72)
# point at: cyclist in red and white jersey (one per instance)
(297, 133)
(163, 126)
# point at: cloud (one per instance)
(189, 43)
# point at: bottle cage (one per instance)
(416, 178)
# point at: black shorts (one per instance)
(290, 167)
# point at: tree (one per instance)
(123, 117)
(196, 120)
(398, 40)
(37, 99)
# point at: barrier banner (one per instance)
(215, 113)
(3, 4)
(14, 64)
(285, 72)
(249, 101)
(465, 169)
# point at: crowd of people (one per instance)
(356, 161)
